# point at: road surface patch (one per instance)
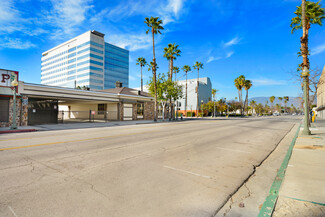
(188, 172)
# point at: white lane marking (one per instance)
(184, 171)
(289, 165)
(234, 150)
(12, 211)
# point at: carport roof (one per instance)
(39, 90)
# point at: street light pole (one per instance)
(14, 83)
(306, 130)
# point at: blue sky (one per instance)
(230, 38)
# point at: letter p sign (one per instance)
(5, 77)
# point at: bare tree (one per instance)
(314, 76)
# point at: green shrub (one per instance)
(190, 114)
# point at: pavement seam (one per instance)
(253, 172)
(270, 201)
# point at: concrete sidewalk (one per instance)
(67, 126)
(302, 192)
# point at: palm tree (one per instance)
(272, 98)
(186, 69)
(171, 52)
(198, 66)
(308, 13)
(155, 25)
(176, 70)
(286, 99)
(280, 98)
(214, 92)
(278, 108)
(253, 104)
(142, 62)
(314, 14)
(247, 85)
(239, 83)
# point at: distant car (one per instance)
(294, 114)
(276, 113)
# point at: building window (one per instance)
(101, 109)
(140, 110)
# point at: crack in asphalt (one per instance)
(249, 176)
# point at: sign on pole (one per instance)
(7, 76)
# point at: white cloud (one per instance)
(233, 41)
(229, 54)
(67, 16)
(317, 50)
(211, 58)
(132, 78)
(267, 82)
(175, 6)
(132, 42)
(15, 43)
(7, 11)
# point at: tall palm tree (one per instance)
(155, 25)
(198, 66)
(272, 98)
(175, 70)
(142, 62)
(171, 52)
(286, 99)
(308, 13)
(186, 69)
(247, 85)
(314, 14)
(214, 92)
(253, 104)
(239, 83)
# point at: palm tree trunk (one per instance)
(141, 80)
(197, 94)
(154, 74)
(171, 79)
(246, 101)
(186, 96)
(171, 68)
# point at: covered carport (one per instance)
(49, 104)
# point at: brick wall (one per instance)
(120, 110)
(134, 111)
(21, 112)
(149, 110)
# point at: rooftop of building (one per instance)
(126, 91)
(99, 34)
(204, 80)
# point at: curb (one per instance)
(270, 201)
(17, 131)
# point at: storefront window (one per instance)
(140, 110)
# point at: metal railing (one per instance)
(87, 116)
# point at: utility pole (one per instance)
(14, 84)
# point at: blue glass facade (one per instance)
(116, 66)
(93, 63)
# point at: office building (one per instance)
(86, 60)
(205, 92)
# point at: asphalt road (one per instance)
(178, 169)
